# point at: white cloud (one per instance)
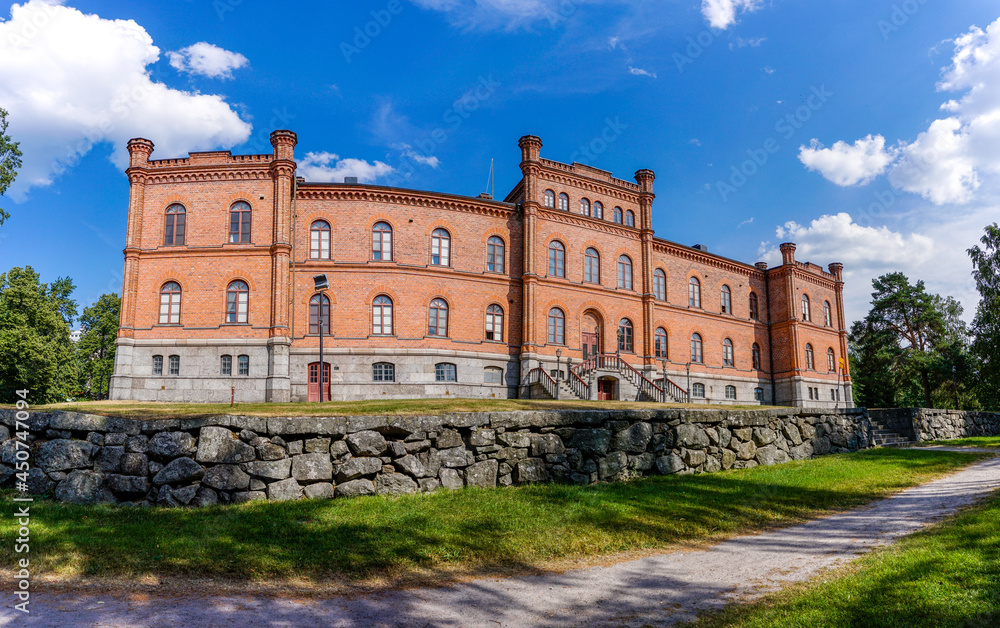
(847, 164)
(508, 14)
(721, 14)
(205, 59)
(694, 141)
(752, 42)
(641, 72)
(957, 158)
(329, 168)
(71, 81)
(427, 160)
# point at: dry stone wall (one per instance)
(87, 459)
(935, 424)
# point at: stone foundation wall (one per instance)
(933, 424)
(85, 458)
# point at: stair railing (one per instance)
(538, 375)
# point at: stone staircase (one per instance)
(884, 437)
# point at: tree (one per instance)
(874, 354)
(10, 160)
(35, 349)
(96, 347)
(986, 324)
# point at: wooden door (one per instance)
(605, 389)
(314, 389)
(589, 342)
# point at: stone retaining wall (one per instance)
(85, 458)
(934, 424)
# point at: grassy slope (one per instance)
(947, 575)
(469, 530)
(144, 410)
(976, 441)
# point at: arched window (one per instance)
(382, 241)
(629, 218)
(445, 372)
(698, 390)
(618, 215)
(226, 365)
(174, 365)
(758, 394)
(383, 372)
(243, 365)
(173, 230)
(440, 248)
(810, 359)
(659, 285)
(727, 353)
(592, 266)
(831, 360)
(319, 240)
(495, 254)
(625, 272)
(557, 259)
(805, 307)
(727, 300)
(239, 222)
(694, 292)
(158, 364)
(584, 207)
(492, 375)
(625, 336)
(730, 392)
(827, 315)
(170, 303)
(563, 202)
(660, 342)
(696, 353)
(754, 307)
(557, 327)
(549, 198)
(755, 353)
(315, 303)
(494, 322)
(382, 316)
(438, 322)
(237, 302)
(598, 210)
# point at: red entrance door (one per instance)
(605, 389)
(314, 389)
(589, 342)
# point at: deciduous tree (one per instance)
(96, 348)
(10, 160)
(986, 324)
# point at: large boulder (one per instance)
(285, 490)
(544, 444)
(226, 477)
(84, 487)
(482, 474)
(38, 482)
(168, 445)
(690, 436)
(763, 436)
(634, 440)
(109, 459)
(307, 467)
(221, 446)
(135, 464)
(179, 471)
(766, 454)
(319, 490)
(366, 443)
(532, 470)
(514, 439)
(412, 465)
(671, 463)
(355, 488)
(394, 484)
(357, 467)
(63, 454)
(590, 441)
(447, 438)
(456, 457)
(611, 465)
(451, 479)
(269, 469)
(129, 484)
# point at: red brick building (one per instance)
(560, 289)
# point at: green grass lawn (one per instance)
(471, 531)
(152, 409)
(976, 441)
(946, 575)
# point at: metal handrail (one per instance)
(579, 385)
(538, 375)
(613, 361)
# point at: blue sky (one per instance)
(868, 132)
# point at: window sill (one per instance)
(168, 325)
(236, 324)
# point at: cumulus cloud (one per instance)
(848, 164)
(205, 59)
(957, 156)
(330, 168)
(721, 14)
(72, 80)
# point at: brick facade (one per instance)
(278, 268)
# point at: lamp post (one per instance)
(618, 352)
(663, 363)
(321, 284)
(558, 363)
(688, 366)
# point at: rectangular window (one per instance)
(157, 365)
(445, 372)
(227, 365)
(383, 372)
(175, 365)
(244, 365)
(758, 394)
(698, 390)
(730, 392)
(492, 375)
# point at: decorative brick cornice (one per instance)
(410, 198)
(189, 175)
(694, 255)
(579, 220)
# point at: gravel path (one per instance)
(657, 590)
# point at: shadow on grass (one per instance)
(474, 530)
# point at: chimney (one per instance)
(531, 147)
(787, 253)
